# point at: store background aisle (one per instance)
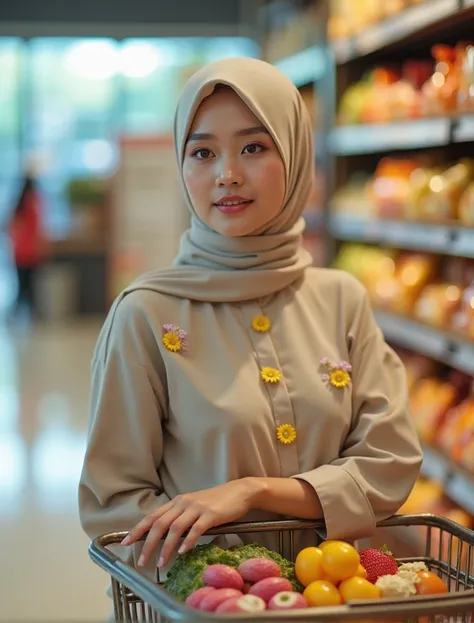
(44, 393)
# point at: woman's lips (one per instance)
(233, 205)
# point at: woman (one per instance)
(242, 383)
(28, 243)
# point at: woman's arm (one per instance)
(285, 496)
(119, 483)
(380, 459)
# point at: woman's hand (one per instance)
(196, 512)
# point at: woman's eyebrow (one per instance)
(205, 136)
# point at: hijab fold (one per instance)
(215, 268)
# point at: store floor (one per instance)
(46, 574)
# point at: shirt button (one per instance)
(270, 375)
(261, 324)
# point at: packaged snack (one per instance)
(414, 271)
(466, 205)
(466, 445)
(450, 436)
(430, 402)
(390, 189)
(465, 56)
(441, 202)
(437, 304)
(441, 90)
(463, 320)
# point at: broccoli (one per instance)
(185, 575)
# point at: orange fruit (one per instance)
(321, 593)
(356, 589)
(430, 584)
(361, 572)
(325, 543)
(340, 560)
(309, 565)
(328, 578)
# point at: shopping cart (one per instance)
(448, 551)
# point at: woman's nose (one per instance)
(229, 174)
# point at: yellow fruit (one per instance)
(356, 589)
(340, 561)
(328, 578)
(309, 565)
(325, 543)
(321, 593)
(361, 572)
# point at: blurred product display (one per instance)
(420, 188)
(414, 89)
(393, 115)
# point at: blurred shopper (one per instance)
(28, 242)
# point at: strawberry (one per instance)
(378, 562)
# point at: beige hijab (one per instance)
(215, 268)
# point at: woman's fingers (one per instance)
(202, 525)
(157, 530)
(144, 525)
(183, 523)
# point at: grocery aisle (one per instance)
(44, 385)
(391, 90)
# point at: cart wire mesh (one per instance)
(445, 547)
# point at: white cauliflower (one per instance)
(413, 566)
(396, 586)
(411, 576)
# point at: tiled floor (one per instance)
(46, 574)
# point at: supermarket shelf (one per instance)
(453, 350)
(430, 14)
(445, 239)
(413, 134)
(458, 482)
(304, 67)
(463, 127)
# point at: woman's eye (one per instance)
(254, 148)
(201, 154)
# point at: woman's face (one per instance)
(232, 169)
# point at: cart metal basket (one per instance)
(448, 551)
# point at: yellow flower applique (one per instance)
(286, 434)
(270, 375)
(339, 378)
(261, 324)
(338, 374)
(174, 338)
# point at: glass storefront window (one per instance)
(65, 101)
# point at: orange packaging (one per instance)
(414, 271)
(430, 402)
(440, 92)
(391, 189)
(463, 320)
(453, 435)
(437, 304)
(466, 442)
(465, 58)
